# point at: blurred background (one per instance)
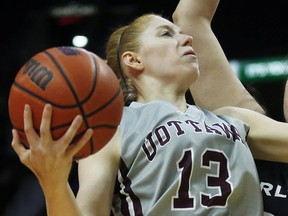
(253, 34)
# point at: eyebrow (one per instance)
(169, 27)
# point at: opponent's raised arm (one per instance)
(217, 85)
(267, 138)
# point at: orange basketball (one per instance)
(74, 81)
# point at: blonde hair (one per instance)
(126, 38)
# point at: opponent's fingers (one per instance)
(18, 147)
(75, 147)
(29, 130)
(45, 131)
(72, 130)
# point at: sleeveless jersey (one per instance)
(191, 163)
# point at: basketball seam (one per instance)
(78, 102)
(105, 104)
(17, 85)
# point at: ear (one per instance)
(133, 62)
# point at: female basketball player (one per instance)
(168, 157)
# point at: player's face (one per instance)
(167, 53)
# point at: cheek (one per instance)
(162, 63)
(163, 57)
(159, 50)
(160, 58)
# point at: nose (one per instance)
(187, 40)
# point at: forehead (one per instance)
(158, 22)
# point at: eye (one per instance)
(167, 33)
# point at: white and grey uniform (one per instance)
(184, 163)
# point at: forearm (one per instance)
(61, 201)
(269, 150)
(217, 85)
(267, 138)
(195, 8)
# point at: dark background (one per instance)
(246, 30)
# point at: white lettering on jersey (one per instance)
(268, 189)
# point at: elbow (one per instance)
(261, 110)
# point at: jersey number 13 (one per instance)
(184, 199)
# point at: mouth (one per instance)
(190, 52)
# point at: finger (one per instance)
(29, 130)
(72, 130)
(45, 131)
(17, 145)
(73, 149)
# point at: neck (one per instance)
(179, 101)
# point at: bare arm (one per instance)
(217, 85)
(267, 138)
(97, 175)
(51, 160)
